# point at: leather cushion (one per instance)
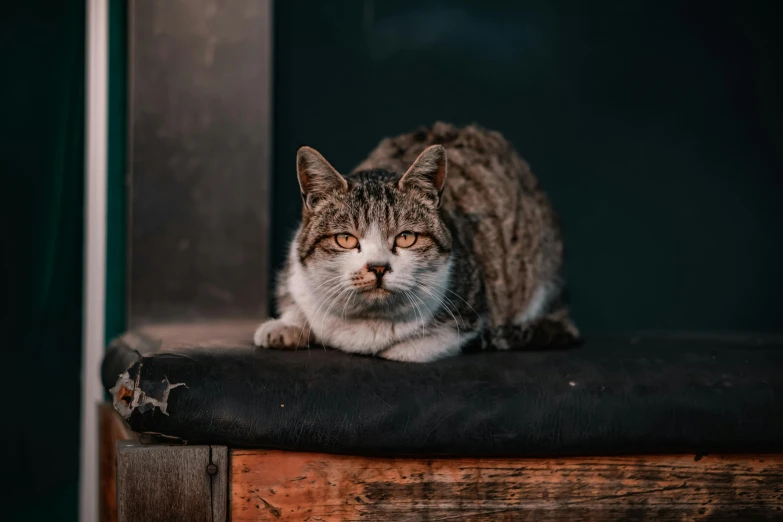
(610, 396)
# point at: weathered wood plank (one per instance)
(272, 485)
(219, 483)
(112, 428)
(171, 483)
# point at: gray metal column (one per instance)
(199, 159)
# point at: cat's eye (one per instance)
(346, 240)
(405, 239)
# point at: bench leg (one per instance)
(171, 483)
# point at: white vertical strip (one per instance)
(96, 145)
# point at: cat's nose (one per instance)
(378, 269)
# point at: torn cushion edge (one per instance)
(127, 351)
(122, 353)
(128, 395)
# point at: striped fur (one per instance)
(484, 272)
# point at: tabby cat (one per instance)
(462, 252)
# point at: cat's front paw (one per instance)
(277, 333)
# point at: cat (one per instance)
(460, 253)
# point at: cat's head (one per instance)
(373, 242)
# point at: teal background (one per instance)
(42, 164)
(656, 128)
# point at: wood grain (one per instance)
(169, 483)
(112, 428)
(275, 485)
(219, 457)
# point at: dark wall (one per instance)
(41, 161)
(657, 129)
(42, 164)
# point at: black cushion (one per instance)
(610, 396)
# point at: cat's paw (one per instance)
(277, 333)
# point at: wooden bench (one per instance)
(160, 477)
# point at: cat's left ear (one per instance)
(428, 172)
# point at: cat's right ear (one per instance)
(316, 176)
(428, 172)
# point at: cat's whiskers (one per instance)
(442, 303)
(440, 299)
(349, 300)
(459, 335)
(427, 307)
(416, 309)
(462, 319)
(322, 299)
(331, 279)
(433, 283)
(300, 312)
(334, 300)
(328, 293)
(423, 319)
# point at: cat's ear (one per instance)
(428, 172)
(316, 176)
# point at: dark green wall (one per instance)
(42, 164)
(42, 167)
(656, 127)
